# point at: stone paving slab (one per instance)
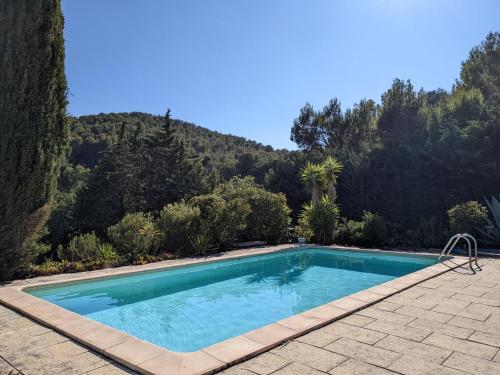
(448, 325)
(407, 333)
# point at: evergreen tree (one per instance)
(33, 128)
(174, 172)
(138, 173)
(112, 190)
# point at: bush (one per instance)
(373, 230)
(321, 219)
(303, 229)
(221, 220)
(269, 216)
(348, 232)
(107, 254)
(34, 249)
(179, 224)
(370, 232)
(429, 233)
(238, 210)
(466, 217)
(136, 236)
(81, 248)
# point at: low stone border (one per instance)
(148, 358)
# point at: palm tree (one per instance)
(331, 167)
(313, 176)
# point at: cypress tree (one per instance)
(33, 127)
(174, 171)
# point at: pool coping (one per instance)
(148, 358)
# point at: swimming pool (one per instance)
(192, 307)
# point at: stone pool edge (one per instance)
(148, 358)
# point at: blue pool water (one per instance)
(189, 308)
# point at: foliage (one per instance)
(139, 172)
(34, 248)
(318, 220)
(61, 224)
(221, 220)
(135, 236)
(373, 230)
(331, 167)
(436, 147)
(303, 229)
(313, 177)
(238, 210)
(87, 248)
(173, 171)
(83, 248)
(482, 68)
(409, 159)
(282, 177)
(348, 232)
(268, 218)
(491, 231)
(344, 135)
(34, 132)
(431, 233)
(107, 254)
(180, 225)
(466, 217)
(321, 220)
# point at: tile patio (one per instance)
(447, 325)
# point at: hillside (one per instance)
(92, 134)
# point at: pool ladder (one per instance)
(454, 241)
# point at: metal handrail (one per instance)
(452, 242)
(467, 235)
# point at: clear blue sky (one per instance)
(247, 67)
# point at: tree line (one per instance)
(110, 189)
(416, 154)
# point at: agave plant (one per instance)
(492, 230)
(313, 176)
(332, 167)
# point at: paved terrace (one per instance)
(447, 325)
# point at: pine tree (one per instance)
(115, 186)
(33, 127)
(174, 172)
(139, 173)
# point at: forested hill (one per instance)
(221, 155)
(92, 134)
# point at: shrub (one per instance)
(221, 220)
(238, 210)
(34, 249)
(321, 218)
(179, 224)
(348, 232)
(303, 229)
(373, 230)
(107, 254)
(136, 236)
(370, 231)
(429, 233)
(47, 268)
(81, 248)
(269, 216)
(466, 217)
